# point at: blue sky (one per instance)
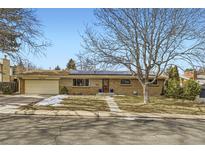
(63, 27)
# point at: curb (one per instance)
(70, 113)
(103, 114)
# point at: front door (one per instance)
(105, 85)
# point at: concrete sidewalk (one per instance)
(112, 104)
(101, 114)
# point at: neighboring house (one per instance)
(6, 71)
(8, 74)
(85, 82)
(197, 76)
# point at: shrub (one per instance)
(173, 89)
(191, 89)
(64, 90)
(7, 90)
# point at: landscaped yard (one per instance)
(73, 103)
(159, 105)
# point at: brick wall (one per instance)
(115, 84)
(118, 88)
(95, 84)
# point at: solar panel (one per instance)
(82, 72)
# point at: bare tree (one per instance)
(20, 33)
(85, 63)
(146, 41)
(28, 65)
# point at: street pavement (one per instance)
(74, 130)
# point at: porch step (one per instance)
(105, 94)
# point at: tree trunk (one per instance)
(146, 93)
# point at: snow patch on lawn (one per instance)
(53, 100)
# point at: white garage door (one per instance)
(41, 86)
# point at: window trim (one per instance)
(84, 80)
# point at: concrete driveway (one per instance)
(15, 101)
(66, 130)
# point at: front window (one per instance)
(80, 82)
(125, 81)
(154, 83)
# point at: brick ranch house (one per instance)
(85, 82)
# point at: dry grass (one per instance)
(159, 105)
(73, 103)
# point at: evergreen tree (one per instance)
(173, 73)
(172, 85)
(71, 65)
(57, 68)
(191, 89)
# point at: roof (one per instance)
(64, 73)
(46, 72)
(81, 72)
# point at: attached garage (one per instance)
(45, 86)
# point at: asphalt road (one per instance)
(66, 130)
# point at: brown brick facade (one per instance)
(95, 85)
(115, 84)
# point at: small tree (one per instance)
(172, 85)
(191, 89)
(71, 65)
(173, 89)
(173, 73)
(57, 68)
(64, 90)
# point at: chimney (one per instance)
(6, 69)
(191, 74)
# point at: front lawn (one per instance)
(73, 103)
(159, 105)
